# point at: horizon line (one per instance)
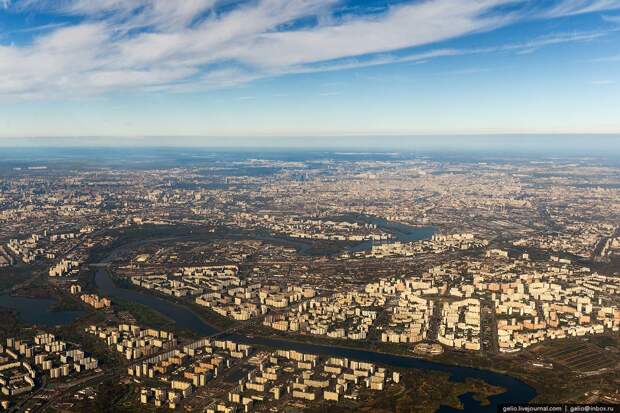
(576, 143)
(317, 135)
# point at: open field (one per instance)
(579, 356)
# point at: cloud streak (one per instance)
(574, 7)
(612, 19)
(157, 45)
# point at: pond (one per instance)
(38, 311)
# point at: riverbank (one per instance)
(187, 319)
(520, 366)
(516, 390)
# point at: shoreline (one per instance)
(515, 387)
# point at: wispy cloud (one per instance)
(327, 94)
(612, 19)
(573, 7)
(517, 48)
(468, 71)
(603, 82)
(606, 59)
(40, 28)
(157, 45)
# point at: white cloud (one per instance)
(518, 48)
(163, 44)
(129, 14)
(402, 27)
(573, 7)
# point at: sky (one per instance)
(304, 68)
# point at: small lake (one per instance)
(38, 311)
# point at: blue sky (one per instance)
(227, 68)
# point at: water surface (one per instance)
(516, 390)
(39, 311)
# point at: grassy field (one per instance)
(579, 356)
(8, 322)
(144, 315)
(11, 276)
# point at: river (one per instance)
(517, 391)
(400, 232)
(39, 311)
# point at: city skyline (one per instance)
(210, 280)
(296, 68)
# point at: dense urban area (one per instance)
(307, 282)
